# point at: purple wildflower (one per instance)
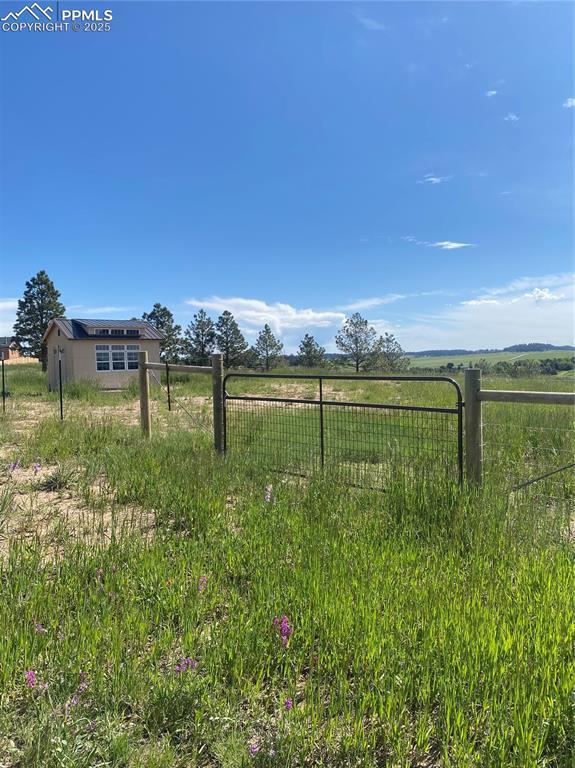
(37, 466)
(184, 664)
(202, 583)
(30, 676)
(83, 685)
(39, 628)
(14, 466)
(75, 698)
(284, 628)
(288, 705)
(254, 748)
(269, 494)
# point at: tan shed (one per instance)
(105, 351)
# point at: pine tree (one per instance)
(357, 340)
(267, 348)
(388, 355)
(310, 354)
(230, 340)
(200, 339)
(39, 304)
(163, 321)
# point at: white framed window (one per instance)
(132, 351)
(102, 357)
(132, 332)
(116, 332)
(117, 357)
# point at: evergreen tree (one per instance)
(39, 304)
(267, 348)
(230, 340)
(250, 358)
(200, 339)
(357, 340)
(310, 353)
(163, 321)
(388, 355)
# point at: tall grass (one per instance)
(424, 626)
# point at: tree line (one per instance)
(357, 340)
(516, 369)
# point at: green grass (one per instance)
(431, 626)
(492, 357)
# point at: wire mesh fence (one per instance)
(529, 450)
(366, 443)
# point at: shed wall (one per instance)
(79, 360)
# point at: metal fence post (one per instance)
(168, 386)
(473, 427)
(3, 389)
(321, 435)
(218, 400)
(144, 380)
(60, 388)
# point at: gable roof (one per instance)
(76, 329)
(6, 341)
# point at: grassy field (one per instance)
(164, 607)
(491, 357)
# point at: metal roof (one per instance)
(78, 328)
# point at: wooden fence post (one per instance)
(473, 427)
(144, 393)
(218, 400)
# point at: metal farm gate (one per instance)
(300, 422)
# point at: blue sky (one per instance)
(294, 162)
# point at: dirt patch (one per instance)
(54, 517)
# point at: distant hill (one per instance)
(535, 347)
(530, 347)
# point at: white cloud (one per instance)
(280, 317)
(446, 245)
(367, 22)
(569, 103)
(376, 301)
(523, 310)
(542, 294)
(554, 280)
(490, 94)
(8, 309)
(414, 240)
(537, 294)
(528, 308)
(431, 178)
(449, 245)
(511, 117)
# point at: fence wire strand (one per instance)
(193, 418)
(532, 455)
